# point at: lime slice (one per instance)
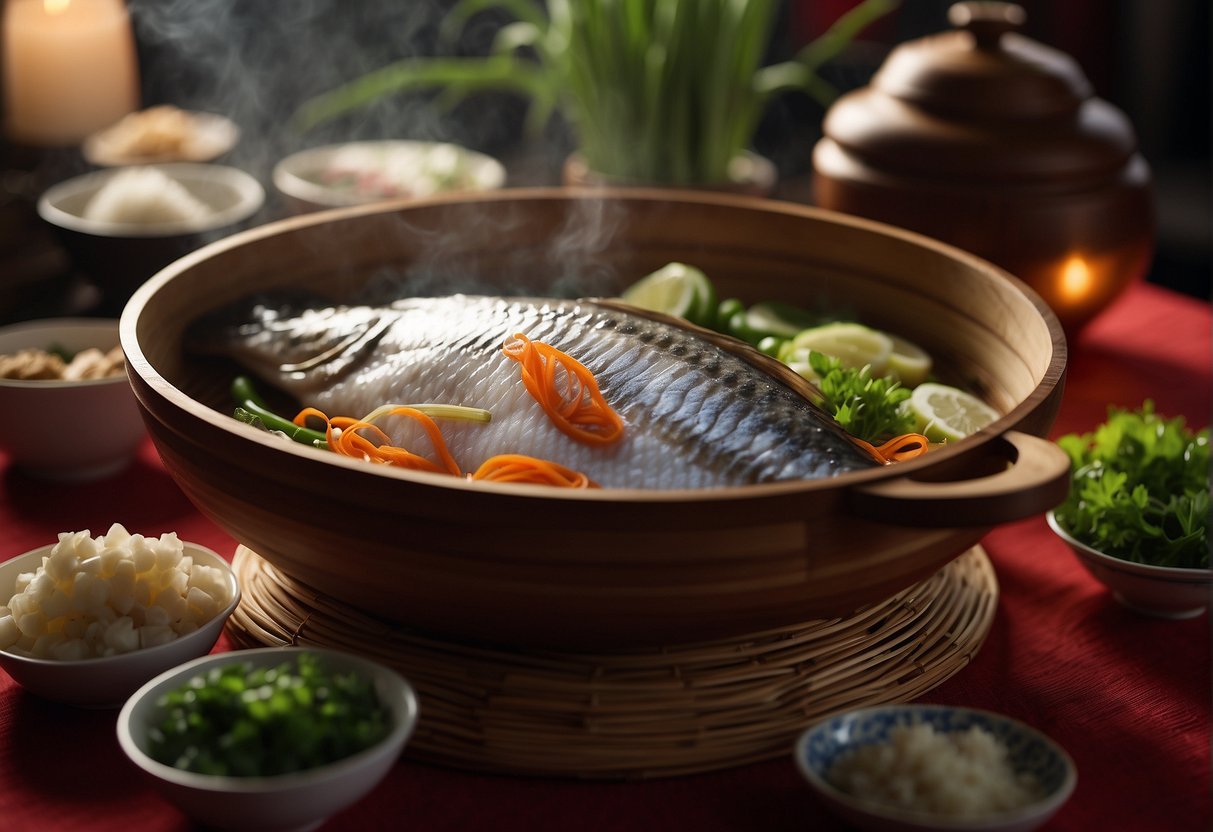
(945, 413)
(855, 345)
(676, 289)
(909, 362)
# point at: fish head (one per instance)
(307, 345)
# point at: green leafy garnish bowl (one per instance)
(1160, 591)
(1137, 514)
(309, 731)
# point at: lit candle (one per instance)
(69, 68)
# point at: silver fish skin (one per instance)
(696, 414)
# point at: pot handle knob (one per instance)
(987, 21)
(1037, 479)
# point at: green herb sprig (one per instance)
(866, 407)
(1140, 489)
(252, 410)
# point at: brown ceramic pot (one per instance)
(985, 139)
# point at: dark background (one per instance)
(261, 59)
(257, 61)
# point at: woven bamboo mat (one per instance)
(645, 713)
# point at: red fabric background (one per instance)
(1127, 696)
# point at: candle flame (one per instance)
(55, 6)
(1076, 279)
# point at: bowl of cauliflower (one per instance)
(88, 620)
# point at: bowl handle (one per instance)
(1036, 480)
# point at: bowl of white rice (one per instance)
(932, 767)
(122, 225)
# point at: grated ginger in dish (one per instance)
(964, 774)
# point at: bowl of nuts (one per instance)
(66, 409)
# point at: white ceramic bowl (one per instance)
(1160, 591)
(301, 800)
(68, 430)
(1029, 752)
(120, 256)
(107, 682)
(358, 173)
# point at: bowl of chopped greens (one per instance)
(1138, 511)
(271, 738)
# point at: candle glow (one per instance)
(69, 68)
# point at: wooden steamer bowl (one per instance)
(611, 569)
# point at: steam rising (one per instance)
(257, 62)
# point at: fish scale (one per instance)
(697, 414)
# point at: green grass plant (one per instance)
(662, 91)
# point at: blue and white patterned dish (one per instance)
(1030, 752)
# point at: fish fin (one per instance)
(747, 352)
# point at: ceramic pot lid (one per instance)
(983, 101)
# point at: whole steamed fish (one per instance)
(696, 413)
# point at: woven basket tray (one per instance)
(647, 713)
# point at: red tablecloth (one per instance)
(1127, 696)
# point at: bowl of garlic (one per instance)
(88, 620)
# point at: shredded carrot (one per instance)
(566, 390)
(361, 439)
(345, 437)
(528, 469)
(898, 449)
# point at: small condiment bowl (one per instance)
(162, 133)
(358, 173)
(295, 801)
(1029, 752)
(68, 430)
(119, 254)
(107, 682)
(1159, 591)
